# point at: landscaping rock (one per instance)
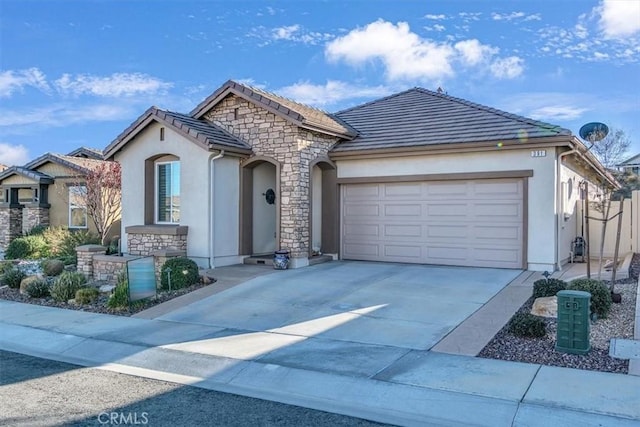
(107, 289)
(545, 307)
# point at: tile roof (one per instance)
(299, 114)
(419, 117)
(81, 165)
(31, 174)
(205, 133)
(92, 153)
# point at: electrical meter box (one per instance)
(573, 322)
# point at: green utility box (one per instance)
(573, 322)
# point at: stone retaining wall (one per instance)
(144, 240)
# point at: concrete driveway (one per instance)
(362, 311)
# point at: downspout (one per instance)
(560, 215)
(212, 206)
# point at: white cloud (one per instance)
(507, 68)
(12, 154)
(407, 56)
(557, 112)
(404, 54)
(63, 115)
(292, 33)
(473, 52)
(435, 17)
(285, 33)
(332, 92)
(15, 81)
(506, 16)
(116, 85)
(619, 18)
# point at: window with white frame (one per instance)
(168, 192)
(78, 206)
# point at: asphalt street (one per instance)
(40, 392)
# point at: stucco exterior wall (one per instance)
(541, 212)
(195, 189)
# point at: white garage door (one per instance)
(471, 223)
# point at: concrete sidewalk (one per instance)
(413, 387)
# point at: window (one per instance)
(168, 192)
(77, 206)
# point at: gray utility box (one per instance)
(573, 322)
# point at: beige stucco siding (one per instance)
(541, 186)
(195, 190)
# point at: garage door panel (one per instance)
(403, 210)
(368, 231)
(362, 210)
(402, 190)
(473, 223)
(406, 230)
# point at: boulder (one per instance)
(545, 307)
(107, 288)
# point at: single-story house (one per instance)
(415, 177)
(632, 165)
(47, 191)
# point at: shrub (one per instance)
(5, 266)
(184, 272)
(63, 242)
(87, 295)
(38, 288)
(13, 277)
(548, 287)
(600, 294)
(52, 267)
(37, 230)
(527, 325)
(26, 281)
(66, 286)
(28, 247)
(120, 296)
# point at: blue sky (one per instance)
(78, 73)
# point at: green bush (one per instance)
(52, 267)
(87, 295)
(527, 325)
(37, 230)
(26, 281)
(63, 242)
(600, 294)
(120, 296)
(5, 266)
(28, 247)
(66, 286)
(548, 287)
(13, 277)
(38, 288)
(184, 272)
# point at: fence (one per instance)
(629, 233)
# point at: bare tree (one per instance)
(612, 149)
(103, 197)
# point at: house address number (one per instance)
(538, 153)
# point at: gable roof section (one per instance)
(80, 165)
(90, 153)
(300, 115)
(36, 176)
(419, 117)
(633, 161)
(201, 132)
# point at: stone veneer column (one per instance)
(85, 258)
(10, 224)
(34, 216)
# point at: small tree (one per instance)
(103, 198)
(612, 149)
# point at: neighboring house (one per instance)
(417, 177)
(46, 191)
(3, 167)
(631, 165)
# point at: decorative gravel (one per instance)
(618, 324)
(99, 305)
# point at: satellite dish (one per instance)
(594, 131)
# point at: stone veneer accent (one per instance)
(107, 267)
(10, 224)
(271, 136)
(144, 240)
(85, 254)
(33, 216)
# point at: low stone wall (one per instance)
(146, 239)
(108, 267)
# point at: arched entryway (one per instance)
(260, 206)
(324, 209)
